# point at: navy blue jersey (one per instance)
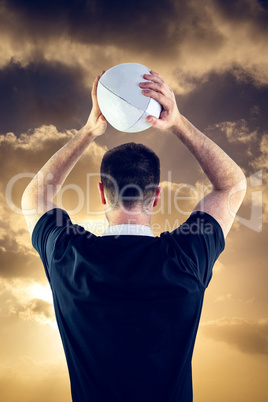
(128, 307)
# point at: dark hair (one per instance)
(130, 174)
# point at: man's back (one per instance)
(128, 307)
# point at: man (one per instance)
(127, 303)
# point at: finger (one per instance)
(162, 99)
(155, 122)
(94, 87)
(94, 90)
(156, 86)
(154, 72)
(150, 85)
(102, 119)
(154, 78)
(95, 83)
(162, 85)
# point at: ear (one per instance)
(158, 191)
(101, 191)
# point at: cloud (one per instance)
(42, 93)
(246, 336)
(259, 182)
(40, 311)
(237, 131)
(246, 145)
(262, 161)
(17, 255)
(127, 24)
(230, 298)
(222, 97)
(264, 4)
(177, 39)
(11, 239)
(241, 11)
(27, 300)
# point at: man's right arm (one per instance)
(227, 179)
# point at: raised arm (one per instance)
(227, 179)
(38, 195)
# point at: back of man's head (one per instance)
(130, 174)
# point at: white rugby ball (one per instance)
(121, 100)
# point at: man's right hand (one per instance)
(96, 123)
(158, 89)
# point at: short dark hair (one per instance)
(130, 174)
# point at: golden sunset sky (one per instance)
(214, 55)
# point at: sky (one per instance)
(214, 55)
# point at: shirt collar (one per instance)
(128, 229)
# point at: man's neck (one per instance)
(131, 218)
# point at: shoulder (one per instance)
(198, 241)
(199, 224)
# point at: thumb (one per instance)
(102, 118)
(153, 121)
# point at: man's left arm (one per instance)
(39, 194)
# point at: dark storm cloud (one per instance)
(243, 10)
(264, 4)
(42, 93)
(227, 96)
(251, 15)
(145, 25)
(49, 92)
(237, 10)
(230, 98)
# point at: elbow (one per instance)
(24, 197)
(239, 179)
(234, 180)
(28, 199)
(243, 188)
(242, 183)
(239, 182)
(238, 190)
(25, 200)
